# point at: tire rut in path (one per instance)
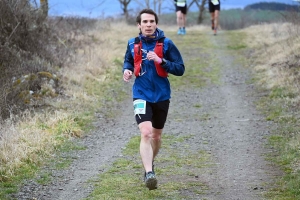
(237, 133)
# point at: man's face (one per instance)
(148, 24)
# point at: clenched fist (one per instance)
(151, 55)
(127, 75)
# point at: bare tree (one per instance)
(201, 6)
(159, 4)
(156, 5)
(143, 3)
(44, 9)
(124, 6)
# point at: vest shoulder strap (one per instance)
(161, 40)
(137, 40)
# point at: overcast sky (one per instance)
(94, 8)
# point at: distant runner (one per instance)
(214, 9)
(181, 10)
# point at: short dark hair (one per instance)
(148, 11)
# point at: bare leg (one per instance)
(146, 150)
(216, 19)
(183, 20)
(179, 19)
(212, 17)
(156, 141)
(150, 144)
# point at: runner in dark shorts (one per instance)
(181, 11)
(151, 63)
(214, 9)
(156, 113)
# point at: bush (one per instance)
(23, 41)
(30, 44)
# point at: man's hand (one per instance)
(151, 55)
(127, 75)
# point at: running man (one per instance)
(151, 90)
(181, 10)
(214, 9)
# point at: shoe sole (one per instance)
(151, 183)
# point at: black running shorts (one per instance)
(213, 8)
(156, 113)
(182, 9)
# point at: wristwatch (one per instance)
(163, 61)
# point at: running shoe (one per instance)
(183, 32)
(179, 32)
(150, 180)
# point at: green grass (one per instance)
(31, 170)
(124, 179)
(235, 40)
(287, 158)
(280, 92)
(200, 66)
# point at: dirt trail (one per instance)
(237, 133)
(234, 135)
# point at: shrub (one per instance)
(29, 44)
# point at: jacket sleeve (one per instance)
(174, 64)
(128, 59)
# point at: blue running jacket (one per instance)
(149, 86)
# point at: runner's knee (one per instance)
(156, 136)
(146, 133)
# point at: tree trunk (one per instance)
(44, 8)
(201, 6)
(124, 6)
(201, 12)
(159, 7)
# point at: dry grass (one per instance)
(38, 133)
(21, 146)
(95, 59)
(278, 55)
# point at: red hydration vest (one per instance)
(138, 57)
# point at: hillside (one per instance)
(274, 6)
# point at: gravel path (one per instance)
(234, 134)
